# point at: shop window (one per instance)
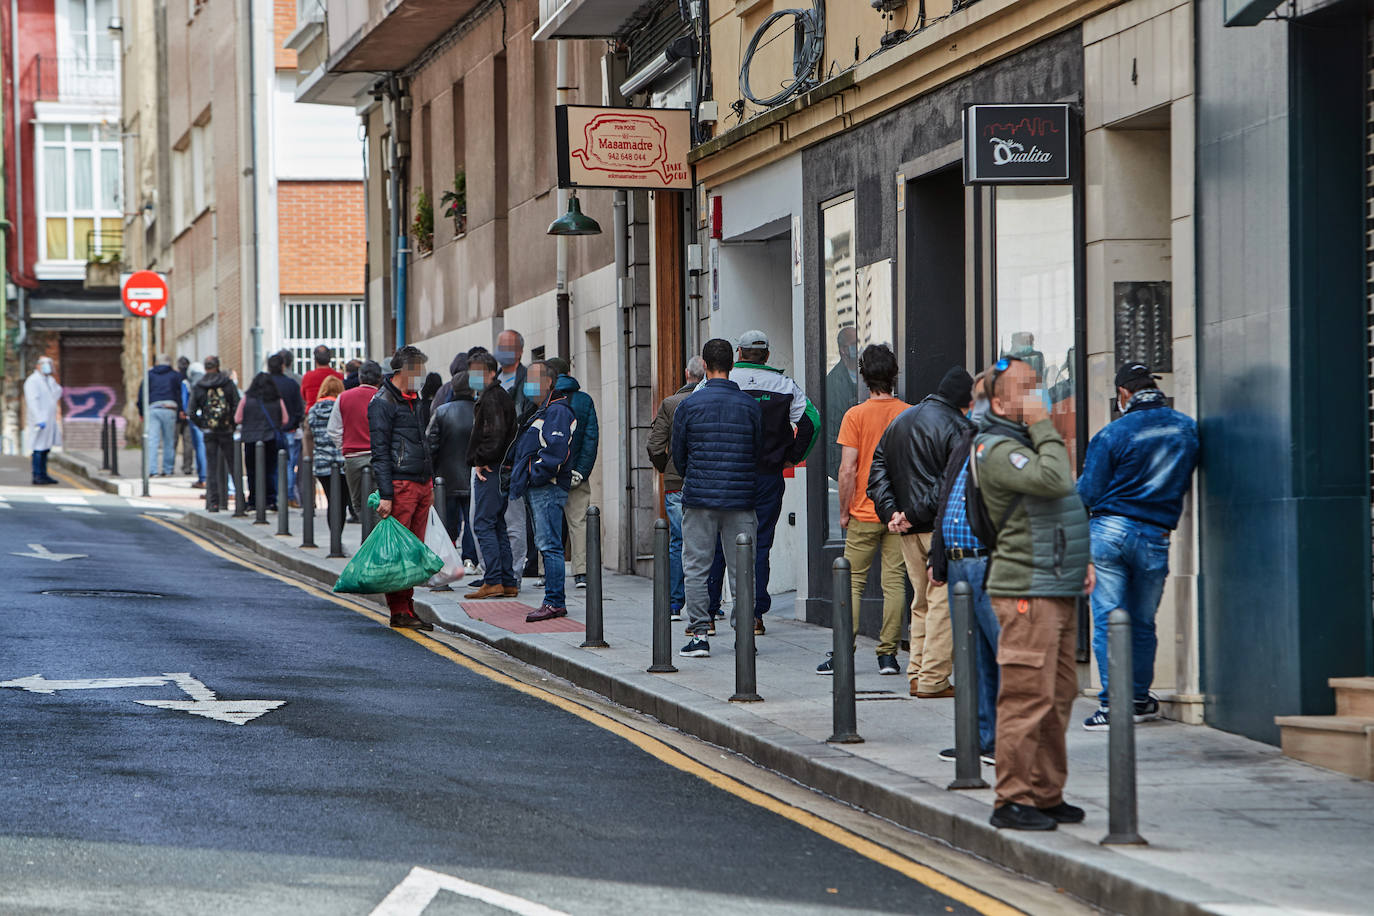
(1034, 245)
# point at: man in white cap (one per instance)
(43, 404)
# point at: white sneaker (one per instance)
(469, 568)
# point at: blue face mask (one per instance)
(477, 380)
(1045, 399)
(532, 389)
(505, 357)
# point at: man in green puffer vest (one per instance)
(1040, 565)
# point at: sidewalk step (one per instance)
(1354, 695)
(1341, 743)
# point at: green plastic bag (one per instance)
(390, 560)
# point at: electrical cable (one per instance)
(808, 31)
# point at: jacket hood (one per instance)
(163, 370)
(212, 379)
(566, 383)
(459, 364)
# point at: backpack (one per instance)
(215, 411)
(977, 510)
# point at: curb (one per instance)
(86, 473)
(1098, 875)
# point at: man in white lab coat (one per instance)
(43, 403)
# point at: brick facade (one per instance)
(323, 241)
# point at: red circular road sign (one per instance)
(144, 293)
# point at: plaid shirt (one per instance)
(956, 531)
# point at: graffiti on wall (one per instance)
(88, 402)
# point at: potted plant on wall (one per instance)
(455, 203)
(423, 227)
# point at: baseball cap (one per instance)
(754, 340)
(1132, 372)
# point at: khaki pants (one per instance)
(579, 498)
(932, 639)
(1039, 681)
(862, 542)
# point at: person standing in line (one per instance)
(542, 469)
(164, 404)
(1136, 473)
(397, 418)
(290, 391)
(193, 374)
(214, 401)
(324, 454)
(957, 555)
(716, 440)
(450, 437)
(43, 410)
(351, 374)
(493, 430)
(184, 425)
(348, 430)
(261, 416)
(904, 483)
(1040, 565)
(661, 456)
(510, 349)
(311, 382)
(865, 537)
(584, 446)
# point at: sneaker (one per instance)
(469, 568)
(539, 583)
(827, 666)
(1012, 816)
(675, 614)
(1098, 721)
(697, 647)
(1064, 813)
(759, 628)
(579, 581)
(887, 664)
(545, 612)
(988, 758)
(1146, 710)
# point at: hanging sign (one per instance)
(634, 148)
(1018, 144)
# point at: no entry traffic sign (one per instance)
(144, 293)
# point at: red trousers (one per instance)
(409, 506)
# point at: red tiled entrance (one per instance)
(510, 615)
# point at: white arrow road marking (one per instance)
(203, 700)
(411, 896)
(39, 552)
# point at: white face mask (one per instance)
(45, 367)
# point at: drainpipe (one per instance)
(625, 293)
(561, 298)
(19, 249)
(256, 331)
(399, 250)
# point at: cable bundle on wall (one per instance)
(809, 45)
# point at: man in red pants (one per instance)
(397, 418)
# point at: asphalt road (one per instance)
(385, 756)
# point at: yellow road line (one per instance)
(924, 874)
(71, 481)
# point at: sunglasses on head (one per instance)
(999, 367)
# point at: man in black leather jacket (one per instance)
(904, 484)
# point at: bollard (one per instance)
(663, 649)
(968, 768)
(1122, 823)
(283, 497)
(240, 497)
(369, 514)
(307, 482)
(114, 447)
(746, 682)
(260, 483)
(596, 631)
(440, 500)
(336, 511)
(105, 437)
(845, 718)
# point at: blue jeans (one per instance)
(677, 592)
(293, 462)
(489, 524)
(162, 429)
(986, 630)
(198, 442)
(547, 504)
(1132, 560)
(40, 472)
(767, 509)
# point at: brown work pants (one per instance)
(932, 639)
(1039, 681)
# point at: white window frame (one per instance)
(71, 266)
(82, 70)
(311, 325)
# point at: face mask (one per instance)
(413, 383)
(505, 357)
(477, 380)
(978, 410)
(532, 389)
(1044, 398)
(45, 368)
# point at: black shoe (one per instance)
(827, 666)
(1064, 813)
(406, 622)
(1146, 710)
(887, 664)
(697, 647)
(1021, 817)
(987, 758)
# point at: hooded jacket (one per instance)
(588, 435)
(201, 391)
(910, 461)
(164, 384)
(543, 450)
(396, 425)
(1141, 465)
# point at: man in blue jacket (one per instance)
(716, 439)
(584, 445)
(1135, 474)
(543, 469)
(164, 404)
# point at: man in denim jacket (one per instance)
(1135, 475)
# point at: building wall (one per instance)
(321, 238)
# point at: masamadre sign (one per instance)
(635, 148)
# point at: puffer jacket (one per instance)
(450, 434)
(1044, 548)
(1141, 465)
(716, 439)
(910, 461)
(396, 427)
(588, 434)
(326, 453)
(543, 450)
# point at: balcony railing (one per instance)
(73, 79)
(105, 246)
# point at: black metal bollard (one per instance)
(307, 483)
(105, 437)
(845, 717)
(441, 499)
(746, 681)
(968, 772)
(240, 497)
(283, 497)
(369, 514)
(596, 630)
(114, 447)
(336, 511)
(1122, 822)
(260, 483)
(663, 650)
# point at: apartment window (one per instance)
(340, 325)
(192, 176)
(181, 192)
(85, 30)
(79, 173)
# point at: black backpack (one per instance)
(977, 510)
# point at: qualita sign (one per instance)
(1018, 144)
(634, 148)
